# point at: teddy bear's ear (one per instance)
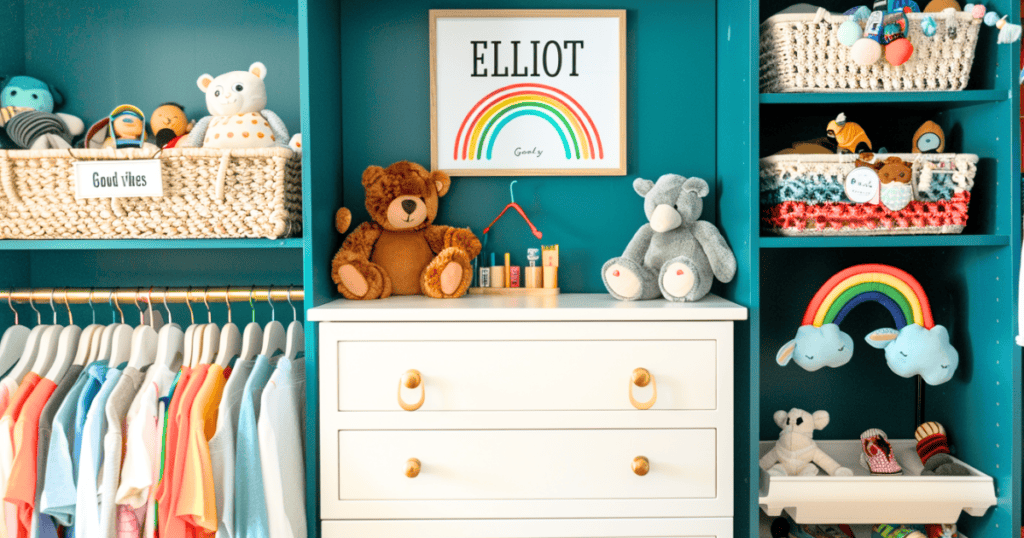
(441, 182)
(821, 419)
(204, 82)
(697, 185)
(259, 70)
(342, 220)
(642, 186)
(780, 418)
(371, 175)
(894, 160)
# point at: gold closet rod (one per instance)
(239, 294)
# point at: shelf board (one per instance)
(882, 241)
(867, 499)
(946, 98)
(148, 244)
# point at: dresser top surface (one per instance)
(564, 307)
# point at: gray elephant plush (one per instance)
(674, 255)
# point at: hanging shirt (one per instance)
(197, 503)
(21, 486)
(250, 503)
(142, 453)
(280, 438)
(222, 448)
(7, 448)
(116, 409)
(7, 387)
(87, 508)
(177, 438)
(58, 496)
(43, 526)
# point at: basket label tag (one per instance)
(118, 179)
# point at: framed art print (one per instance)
(528, 92)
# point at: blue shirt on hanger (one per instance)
(87, 510)
(250, 502)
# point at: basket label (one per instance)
(118, 179)
(862, 185)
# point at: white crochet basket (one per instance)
(801, 53)
(208, 193)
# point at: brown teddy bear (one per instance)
(402, 252)
(896, 190)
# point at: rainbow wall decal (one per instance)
(484, 122)
(917, 346)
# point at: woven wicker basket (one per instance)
(208, 193)
(803, 195)
(801, 53)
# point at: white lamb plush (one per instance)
(796, 450)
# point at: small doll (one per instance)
(896, 191)
(850, 137)
(169, 124)
(126, 128)
(27, 115)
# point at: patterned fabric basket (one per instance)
(804, 195)
(801, 53)
(208, 193)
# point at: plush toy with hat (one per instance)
(238, 118)
(674, 255)
(27, 115)
(402, 251)
(124, 127)
(796, 453)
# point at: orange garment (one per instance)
(196, 502)
(5, 397)
(21, 486)
(175, 469)
(163, 489)
(9, 517)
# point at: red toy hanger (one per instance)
(514, 205)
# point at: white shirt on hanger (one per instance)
(280, 431)
(222, 447)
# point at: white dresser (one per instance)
(527, 417)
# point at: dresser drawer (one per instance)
(526, 366)
(526, 464)
(533, 528)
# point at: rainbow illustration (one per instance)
(893, 288)
(917, 346)
(484, 122)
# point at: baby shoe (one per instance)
(877, 456)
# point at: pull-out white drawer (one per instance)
(527, 367)
(527, 528)
(527, 464)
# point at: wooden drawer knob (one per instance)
(641, 378)
(412, 468)
(641, 465)
(411, 379)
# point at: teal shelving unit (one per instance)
(353, 78)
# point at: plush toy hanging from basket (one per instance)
(917, 346)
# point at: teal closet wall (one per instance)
(670, 77)
(105, 53)
(12, 54)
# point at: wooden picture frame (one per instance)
(560, 73)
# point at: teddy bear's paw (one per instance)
(843, 471)
(366, 281)
(776, 470)
(808, 470)
(627, 280)
(448, 275)
(679, 280)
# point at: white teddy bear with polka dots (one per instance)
(236, 101)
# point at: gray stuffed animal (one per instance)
(674, 255)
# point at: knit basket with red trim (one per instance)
(804, 195)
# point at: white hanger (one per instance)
(296, 339)
(252, 337)
(273, 334)
(170, 343)
(28, 354)
(210, 338)
(121, 348)
(47, 344)
(106, 343)
(230, 338)
(67, 346)
(13, 342)
(144, 340)
(89, 334)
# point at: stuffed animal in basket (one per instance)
(124, 127)
(239, 118)
(673, 255)
(169, 124)
(796, 453)
(402, 252)
(27, 115)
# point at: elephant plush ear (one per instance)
(58, 98)
(697, 185)
(780, 417)
(642, 186)
(821, 419)
(785, 353)
(879, 338)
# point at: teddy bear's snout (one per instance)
(409, 206)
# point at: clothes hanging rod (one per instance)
(196, 294)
